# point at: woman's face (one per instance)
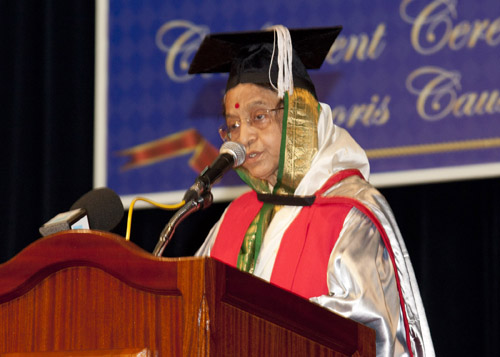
(262, 144)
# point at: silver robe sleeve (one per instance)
(361, 279)
(362, 284)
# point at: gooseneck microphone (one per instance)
(100, 209)
(199, 196)
(232, 154)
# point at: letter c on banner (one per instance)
(182, 47)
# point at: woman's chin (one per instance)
(271, 178)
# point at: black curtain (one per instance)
(451, 229)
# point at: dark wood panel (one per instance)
(257, 297)
(241, 330)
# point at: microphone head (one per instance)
(104, 208)
(236, 150)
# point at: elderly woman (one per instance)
(311, 224)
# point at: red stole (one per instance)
(302, 260)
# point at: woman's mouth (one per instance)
(253, 156)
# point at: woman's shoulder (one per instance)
(360, 190)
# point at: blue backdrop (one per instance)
(416, 83)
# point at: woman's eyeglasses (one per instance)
(259, 118)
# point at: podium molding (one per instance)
(94, 293)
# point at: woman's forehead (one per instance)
(247, 96)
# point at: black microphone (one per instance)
(232, 154)
(100, 209)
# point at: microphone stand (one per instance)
(189, 207)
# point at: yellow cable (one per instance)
(160, 205)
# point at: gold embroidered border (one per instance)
(301, 138)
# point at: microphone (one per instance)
(232, 154)
(100, 209)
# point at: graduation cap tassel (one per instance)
(283, 41)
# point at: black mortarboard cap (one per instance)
(246, 55)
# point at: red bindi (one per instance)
(237, 105)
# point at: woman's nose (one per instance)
(248, 134)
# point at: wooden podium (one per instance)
(90, 293)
